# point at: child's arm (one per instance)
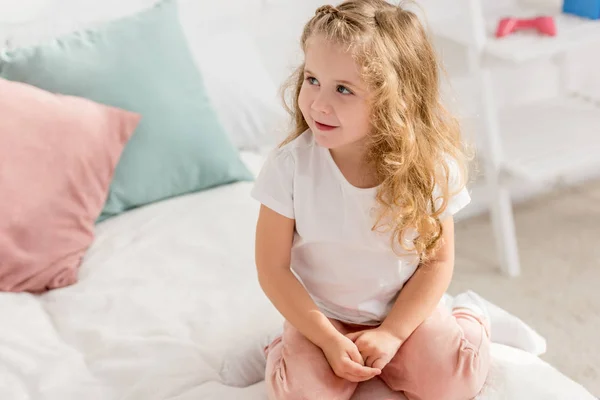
(416, 301)
(274, 236)
(422, 293)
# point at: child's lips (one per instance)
(324, 127)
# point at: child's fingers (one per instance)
(379, 363)
(353, 368)
(356, 379)
(355, 355)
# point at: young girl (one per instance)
(355, 238)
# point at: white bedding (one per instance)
(167, 300)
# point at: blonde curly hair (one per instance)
(413, 138)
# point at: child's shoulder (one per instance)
(282, 162)
(302, 143)
(296, 148)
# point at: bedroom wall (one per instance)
(275, 26)
(263, 18)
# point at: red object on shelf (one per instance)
(544, 25)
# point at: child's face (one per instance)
(333, 97)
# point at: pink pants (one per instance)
(446, 358)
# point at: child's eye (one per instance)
(312, 81)
(343, 90)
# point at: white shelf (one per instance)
(527, 45)
(543, 142)
(547, 141)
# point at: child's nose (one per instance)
(321, 104)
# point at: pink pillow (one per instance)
(57, 158)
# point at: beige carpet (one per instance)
(558, 292)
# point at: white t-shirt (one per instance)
(350, 271)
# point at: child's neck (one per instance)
(352, 162)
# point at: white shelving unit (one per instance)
(535, 142)
(523, 46)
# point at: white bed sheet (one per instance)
(167, 296)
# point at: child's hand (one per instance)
(345, 360)
(377, 346)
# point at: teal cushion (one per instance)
(140, 63)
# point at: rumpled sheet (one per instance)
(168, 307)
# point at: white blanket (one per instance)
(168, 307)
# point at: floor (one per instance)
(558, 291)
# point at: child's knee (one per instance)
(437, 362)
(283, 384)
(298, 370)
(455, 375)
(443, 378)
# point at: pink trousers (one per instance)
(446, 358)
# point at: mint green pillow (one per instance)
(140, 63)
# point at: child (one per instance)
(355, 238)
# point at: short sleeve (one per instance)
(274, 185)
(459, 195)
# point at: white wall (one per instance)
(276, 27)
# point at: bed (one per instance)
(167, 304)
(168, 307)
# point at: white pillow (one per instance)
(245, 98)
